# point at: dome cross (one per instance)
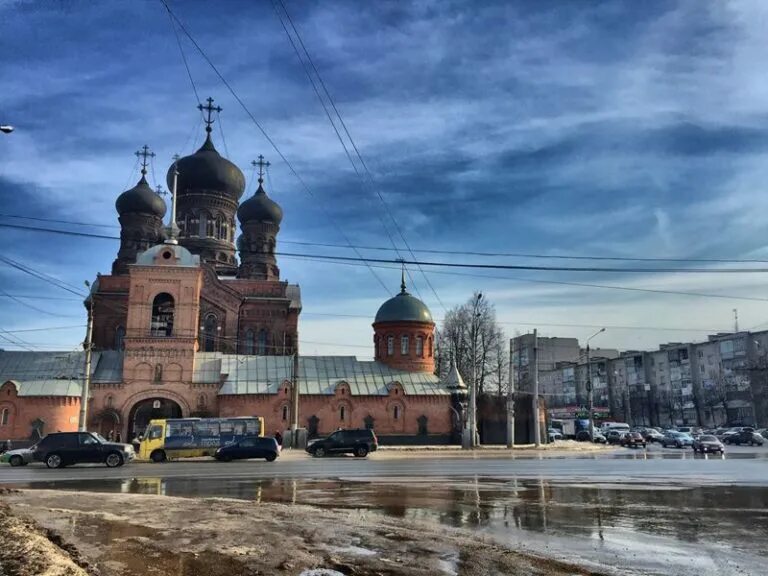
(143, 154)
(261, 164)
(209, 109)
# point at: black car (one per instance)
(65, 448)
(744, 437)
(708, 443)
(358, 442)
(254, 447)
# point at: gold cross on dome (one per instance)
(144, 153)
(209, 109)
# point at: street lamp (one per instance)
(473, 391)
(590, 394)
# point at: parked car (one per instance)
(763, 432)
(652, 435)
(708, 443)
(674, 439)
(583, 436)
(744, 437)
(251, 447)
(615, 436)
(359, 442)
(554, 434)
(65, 448)
(632, 440)
(18, 457)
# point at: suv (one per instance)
(64, 448)
(358, 442)
(744, 437)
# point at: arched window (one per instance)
(396, 412)
(158, 373)
(108, 402)
(5, 414)
(404, 345)
(210, 326)
(419, 346)
(119, 338)
(225, 230)
(182, 224)
(390, 345)
(262, 342)
(285, 413)
(194, 225)
(201, 401)
(219, 227)
(162, 315)
(430, 349)
(341, 413)
(250, 342)
(210, 226)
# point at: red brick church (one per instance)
(182, 327)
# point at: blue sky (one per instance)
(569, 128)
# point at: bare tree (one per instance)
(471, 338)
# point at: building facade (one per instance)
(182, 327)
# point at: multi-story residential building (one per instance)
(551, 352)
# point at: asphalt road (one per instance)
(740, 466)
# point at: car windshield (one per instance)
(99, 437)
(708, 439)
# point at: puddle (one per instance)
(659, 529)
(353, 550)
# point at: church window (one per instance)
(225, 230)
(390, 345)
(4, 416)
(194, 225)
(158, 373)
(430, 349)
(262, 342)
(396, 412)
(209, 226)
(419, 346)
(219, 227)
(182, 224)
(162, 315)
(341, 414)
(210, 326)
(285, 413)
(119, 338)
(404, 345)
(250, 342)
(201, 401)
(108, 402)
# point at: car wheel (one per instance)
(113, 460)
(361, 451)
(271, 458)
(158, 456)
(16, 461)
(53, 461)
(319, 452)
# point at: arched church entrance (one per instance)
(150, 409)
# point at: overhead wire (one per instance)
(266, 136)
(370, 183)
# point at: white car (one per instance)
(18, 457)
(554, 434)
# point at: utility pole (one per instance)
(87, 345)
(473, 440)
(295, 396)
(590, 392)
(536, 426)
(511, 402)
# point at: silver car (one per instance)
(18, 457)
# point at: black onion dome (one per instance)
(260, 208)
(141, 199)
(206, 169)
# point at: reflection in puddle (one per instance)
(675, 530)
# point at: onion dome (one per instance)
(260, 208)
(206, 169)
(241, 244)
(403, 308)
(141, 199)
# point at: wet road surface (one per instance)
(655, 512)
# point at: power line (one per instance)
(44, 329)
(272, 143)
(183, 56)
(20, 217)
(32, 307)
(370, 181)
(41, 276)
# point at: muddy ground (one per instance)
(76, 533)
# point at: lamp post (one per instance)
(590, 393)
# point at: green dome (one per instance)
(403, 308)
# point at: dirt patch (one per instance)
(28, 550)
(133, 534)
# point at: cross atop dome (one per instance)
(261, 164)
(403, 288)
(209, 109)
(144, 153)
